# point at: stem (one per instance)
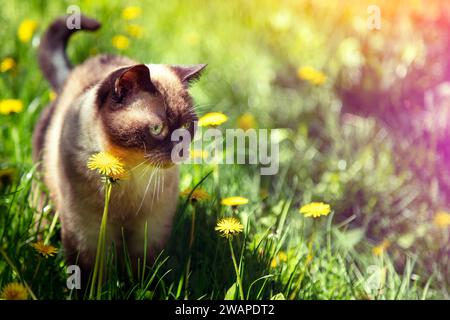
(330, 218)
(236, 269)
(103, 229)
(300, 278)
(144, 264)
(52, 227)
(191, 241)
(36, 271)
(100, 253)
(191, 238)
(11, 264)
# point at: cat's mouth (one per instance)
(163, 165)
(161, 161)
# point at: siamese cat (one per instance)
(128, 109)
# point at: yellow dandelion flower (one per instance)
(311, 75)
(26, 30)
(315, 209)
(120, 42)
(14, 291)
(107, 164)
(229, 227)
(280, 257)
(10, 105)
(309, 258)
(442, 219)
(7, 64)
(273, 263)
(381, 248)
(136, 31)
(197, 195)
(212, 119)
(45, 250)
(246, 121)
(131, 12)
(234, 201)
(52, 95)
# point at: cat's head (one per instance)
(141, 105)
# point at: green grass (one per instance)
(335, 272)
(252, 60)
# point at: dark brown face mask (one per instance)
(137, 115)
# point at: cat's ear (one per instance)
(125, 81)
(133, 78)
(188, 74)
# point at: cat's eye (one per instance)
(186, 126)
(156, 129)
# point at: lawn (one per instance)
(347, 105)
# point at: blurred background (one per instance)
(364, 112)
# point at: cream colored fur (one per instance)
(149, 196)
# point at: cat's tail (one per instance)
(52, 51)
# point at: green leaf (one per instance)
(231, 293)
(278, 296)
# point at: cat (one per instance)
(117, 105)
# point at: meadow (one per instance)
(354, 125)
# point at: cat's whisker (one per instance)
(137, 166)
(156, 164)
(193, 111)
(195, 114)
(163, 181)
(161, 175)
(147, 169)
(154, 186)
(200, 106)
(99, 189)
(146, 190)
(160, 189)
(157, 188)
(199, 110)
